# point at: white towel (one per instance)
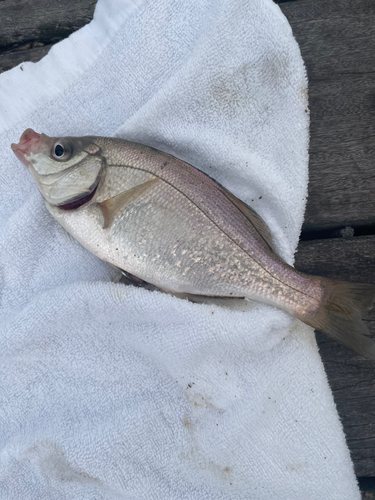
(108, 391)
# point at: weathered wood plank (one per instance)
(367, 486)
(10, 59)
(41, 21)
(307, 10)
(342, 258)
(337, 42)
(351, 377)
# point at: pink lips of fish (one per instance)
(30, 142)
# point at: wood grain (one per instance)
(367, 486)
(30, 27)
(28, 22)
(337, 42)
(351, 377)
(12, 58)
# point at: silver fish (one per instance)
(169, 226)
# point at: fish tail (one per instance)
(340, 315)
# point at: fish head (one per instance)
(67, 170)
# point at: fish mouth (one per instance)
(29, 143)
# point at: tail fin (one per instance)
(340, 315)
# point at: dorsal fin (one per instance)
(255, 219)
(112, 206)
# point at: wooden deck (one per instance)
(337, 41)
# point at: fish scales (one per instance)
(169, 225)
(208, 196)
(193, 246)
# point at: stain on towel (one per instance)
(199, 458)
(53, 463)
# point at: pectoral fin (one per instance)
(112, 206)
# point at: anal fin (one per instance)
(130, 279)
(233, 303)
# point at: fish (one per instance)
(170, 227)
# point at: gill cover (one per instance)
(67, 170)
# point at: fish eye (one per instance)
(61, 150)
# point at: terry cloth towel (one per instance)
(113, 392)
